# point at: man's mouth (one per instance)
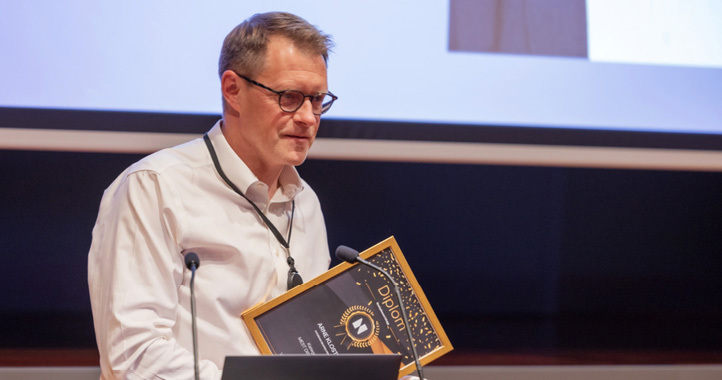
(298, 137)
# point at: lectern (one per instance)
(313, 367)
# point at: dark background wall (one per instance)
(511, 258)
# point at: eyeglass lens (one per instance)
(292, 100)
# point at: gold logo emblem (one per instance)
(359, 325)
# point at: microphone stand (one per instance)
(193, 262)
(403, 313)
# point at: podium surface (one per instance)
(313, 367)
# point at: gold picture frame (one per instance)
(352, 308)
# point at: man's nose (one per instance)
(305, 114)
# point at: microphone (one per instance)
(347, 254)
(192, 263)
(351, 255)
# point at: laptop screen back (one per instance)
(312, 367)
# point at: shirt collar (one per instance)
(238, 172)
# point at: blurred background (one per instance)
(550, 169)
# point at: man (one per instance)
(233, 197)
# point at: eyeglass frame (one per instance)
(281, 93)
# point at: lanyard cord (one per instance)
(284, 242)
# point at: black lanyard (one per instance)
(293, 277)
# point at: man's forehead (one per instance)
(283, 47)
(286, 62)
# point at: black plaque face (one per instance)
(352, 309)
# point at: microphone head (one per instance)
(192, 260)
(347, 254)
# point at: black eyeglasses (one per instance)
(292, 100)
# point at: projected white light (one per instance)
(392, 62)
(672, 32)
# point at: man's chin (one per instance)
(294, 154)
(296, 158)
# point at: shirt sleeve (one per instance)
(135, 269)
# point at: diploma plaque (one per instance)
(352, 309)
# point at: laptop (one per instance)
(313, 367)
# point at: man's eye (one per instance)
(291, 97)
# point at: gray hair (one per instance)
(244, 49)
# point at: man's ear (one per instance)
(231, 88)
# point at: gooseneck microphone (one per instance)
(192, 263)
(351, 255)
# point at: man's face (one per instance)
(271, 138)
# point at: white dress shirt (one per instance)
(174, 202)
